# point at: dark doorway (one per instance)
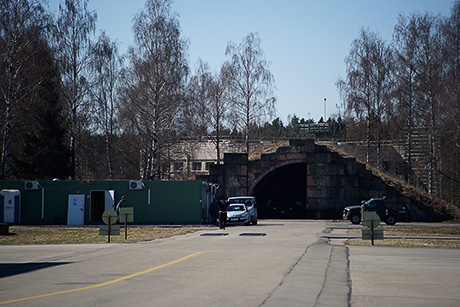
(97, 205)
(282, 193)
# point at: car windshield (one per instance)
(235, 208)
(239, 200)
(371, 203)
(246, 201)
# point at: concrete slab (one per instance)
(391, 276)
(319, 278)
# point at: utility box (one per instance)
(10, 206)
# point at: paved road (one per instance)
(204, 268)
(276, 263)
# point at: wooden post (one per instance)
(126, 226)
(108, 235)
(372, 232)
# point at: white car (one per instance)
(237, 214)
(250, 204)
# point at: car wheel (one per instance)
(254, 222)
(355, 219)
(391, 220)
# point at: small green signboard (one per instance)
(369, 216)
(367, 234)
(126, 215)
(372, 230)
(109, 217)
(114, 230)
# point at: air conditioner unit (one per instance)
(31, 185)
(135, 185)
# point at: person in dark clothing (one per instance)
(223, 214)
(213, 210)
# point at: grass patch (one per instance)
(413, 230)
(418, 230)
(26, 235)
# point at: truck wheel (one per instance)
(355, 219)
(391, 220)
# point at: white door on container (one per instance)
(8, 213)
(76, 212)
(109, 199)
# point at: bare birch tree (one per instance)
(106, 67)
(450, 166)
(219, 108)
(250, 83)
(75, 25)
(430, 85)
(209, 104)
(405, 42)
(367, 89)
(155, 80)
(199, 94)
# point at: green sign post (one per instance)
(373, 231)
(109, 217)
(126, 216)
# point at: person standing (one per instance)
(213, 210)
(223, 214)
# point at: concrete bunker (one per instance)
(303, 180)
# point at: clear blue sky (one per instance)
(306, 41)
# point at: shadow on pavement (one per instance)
(10, 269)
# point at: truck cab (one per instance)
(386, 214)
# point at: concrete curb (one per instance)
(356, 236)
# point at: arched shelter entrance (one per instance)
(281, 192)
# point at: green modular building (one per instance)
(83, 202)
